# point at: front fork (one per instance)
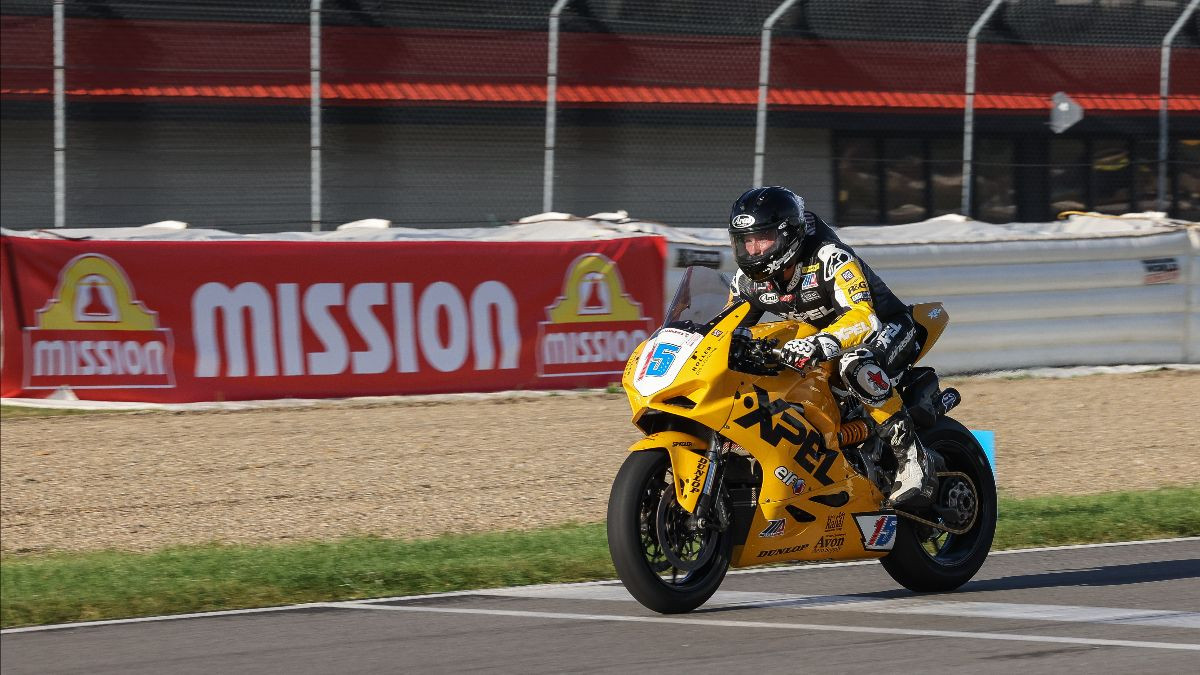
(706, 514)
(696, 464)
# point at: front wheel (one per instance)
(665, 563)
(925, 559)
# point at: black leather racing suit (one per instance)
(835, 291)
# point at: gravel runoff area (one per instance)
(139, 481)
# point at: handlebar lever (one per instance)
(753, 356)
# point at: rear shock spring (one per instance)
(853, 433)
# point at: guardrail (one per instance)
(1044, 302)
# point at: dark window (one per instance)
(1112, 176)
(858, 181)
(904, 180)
(894, 180)
(1115, 175)
(1186, 160)
(1068, 175)
(945, 176)
(1145, 175)
(995, 194)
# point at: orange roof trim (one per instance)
(451, 92)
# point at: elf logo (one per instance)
(790, 479)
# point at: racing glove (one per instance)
(806, 353)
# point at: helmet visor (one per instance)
(755, 246)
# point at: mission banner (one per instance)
(183, 321)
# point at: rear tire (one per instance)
(925, 561)
(641, 506)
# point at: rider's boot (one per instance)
(915, 476)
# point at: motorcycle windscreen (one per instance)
(702, 294)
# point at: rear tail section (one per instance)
(932, 317)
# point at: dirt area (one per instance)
(141, 481)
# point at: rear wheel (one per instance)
(926, 559)
(665, 563)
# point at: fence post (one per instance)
(551, 106)
(764, 83)
(60, 115)
(314, 113)
(969, 104)
(1164, 86)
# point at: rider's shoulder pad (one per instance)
(833, 257)
(831, 252)
(745, 287)
(736, 285)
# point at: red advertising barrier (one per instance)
(217, 320)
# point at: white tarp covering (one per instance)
(566, 227)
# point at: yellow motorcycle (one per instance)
(747, 463)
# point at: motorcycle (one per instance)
(746, 462)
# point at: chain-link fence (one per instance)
(291, 114)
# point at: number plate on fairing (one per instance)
(662, 359)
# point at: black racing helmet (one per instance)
(766, 228)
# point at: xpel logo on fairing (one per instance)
(812, 455)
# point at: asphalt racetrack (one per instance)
(1106, 608)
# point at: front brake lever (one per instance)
(751, 356)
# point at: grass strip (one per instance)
(63, 587)
(60, 587)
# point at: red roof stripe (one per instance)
(647, 95)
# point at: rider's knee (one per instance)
(863, 377)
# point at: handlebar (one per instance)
(760, 356)
(754, 356)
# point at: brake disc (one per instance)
(672, 532)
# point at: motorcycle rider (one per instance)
(792, 264)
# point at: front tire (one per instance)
(926, 560)
(664, 564)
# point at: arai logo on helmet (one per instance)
(743, 220)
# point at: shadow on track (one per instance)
(1110, 575)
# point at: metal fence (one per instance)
(297, 114)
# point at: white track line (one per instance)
(166, 617)
(1073, 547)
(485, 591)
(1042, 549)
(771, 625)
(872, 605)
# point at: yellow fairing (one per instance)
(812, 505)
(698, 391)
(933, 318)
(810, 495)
(688, 463)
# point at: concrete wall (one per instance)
(26, 173)
(802, 159)
(253, 176)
